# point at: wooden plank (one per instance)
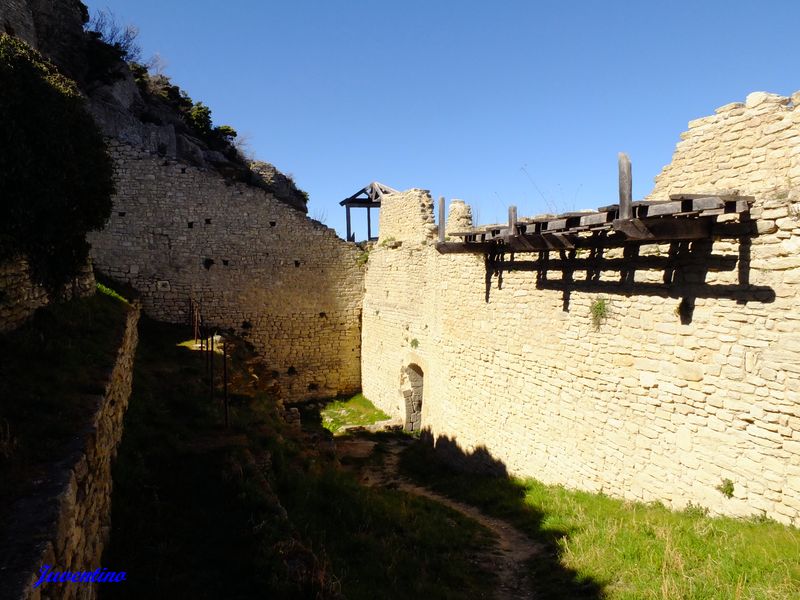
(625, 187)
(707, 203)
(680, 229)
(556, 224)
(719, 194)
(663, 208)
(595, 218)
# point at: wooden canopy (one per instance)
(368, 197)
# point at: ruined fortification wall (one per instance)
(285, 282)
(748, 146)
(682, 386)
(54, 27)
(20, 296)
(67, 522)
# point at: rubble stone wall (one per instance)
(674, 388)
(72, 510)
(20, 296)
(254, 265)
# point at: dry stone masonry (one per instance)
(676, 389)
(66, 525)
(253, 264)
(20, 296)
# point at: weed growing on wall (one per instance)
(726, 488)
(599, 311)
(56, 178)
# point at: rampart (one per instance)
(65, 524)
(681, 386)
(254, 265)
(20, 295)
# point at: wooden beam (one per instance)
(461, 247)
(441, 219)
(347, 212)
(635, 229)
(369, 224)
(512, 220)
(625, 187)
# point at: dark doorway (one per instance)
(412, 392)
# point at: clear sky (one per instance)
(496, 103)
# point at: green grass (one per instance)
(624, 550)
(51, 371)
(107, 291)
(257, 510)
(355, 412)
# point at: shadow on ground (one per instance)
(479, 479)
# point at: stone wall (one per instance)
(66, 525)
(16, 19)
(753, 147)
(680, 386)
(54, 27)
(20, 296)
(256, 266)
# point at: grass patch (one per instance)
(107, 291)
(355, 412)
(51, 371)
(261, 509)
(629, 550)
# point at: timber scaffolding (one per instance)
(684, 217)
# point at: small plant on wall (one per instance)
(415, 343)
(726, 488)
(599, 311)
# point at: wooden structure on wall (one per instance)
(684, 217)
(368, 197)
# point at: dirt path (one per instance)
(513, 548)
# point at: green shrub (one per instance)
(199, 117)
(56, 179)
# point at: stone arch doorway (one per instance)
(413, 394)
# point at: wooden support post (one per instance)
(441, 219)
(347, 213)
(512, 220)
(625, 187)
(369, 225)
(225, 378)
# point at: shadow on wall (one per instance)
(482, 480)
(685, 268)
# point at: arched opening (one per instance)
(412, 393)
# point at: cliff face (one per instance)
(124, 106)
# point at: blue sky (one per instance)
(496, 103)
